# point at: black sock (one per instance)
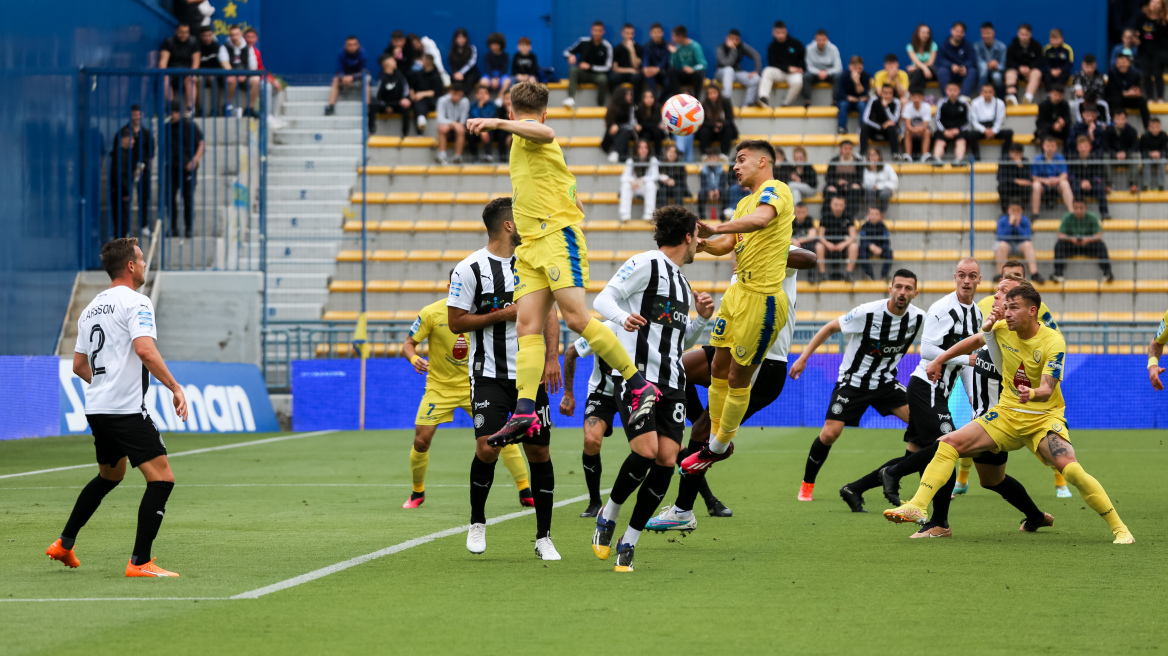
(482, 476)
(650, 496)
(872, 479)
(150, 514)
(1015, 493)
(913, 462)
(592, 469)
(632, 472)
(543, 486)
(688, 487)
(525, 406)
(941, 502)
(87, 503)
(637, 381)
(815, 459)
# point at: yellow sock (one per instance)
(719, 389)
(605, 344)
(529, 365)
(737, 400)
(1059, 479)
(963, 467)
(513, 458)
(938, 471)
(419, 461)
(1093, 493)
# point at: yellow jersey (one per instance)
(986, 305)
(449, 353)
(543, 191)
(1025, 362)
(762, 255)
(1162, 331)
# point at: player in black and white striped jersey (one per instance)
(599, 410)
(879, 334)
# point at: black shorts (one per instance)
(849, 403)
(603, 407)
(493, 400)
(928, 413)
(991, 458)
(939, 135)
(768, 385)
(667, 418)
(125, 436)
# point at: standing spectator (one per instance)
(392, 95)
(1080, 233)
(729, 56)
(464, 59)
(957, 61)
(674, 187)
(1088, 176)
(952, 124)
(1089, 81)
(213, 57)
(649, 123)
(1024, 61)
(880, 181)
(1121, 143)
(1153, 147)
(453, 111)
(122, 178)
(845, 177)
(620, 126)
(143, 153)
(687, 63)
(639, 180)
(875, 243)
(891, 74)
(837, 240)
(241, 57)
(802, 178)
(1090, 127)
(785, 58)
(495, 64)
(483, 107)
(1130, 46)
(881, 120)
(350, 71)
(823, 65)
(991, 60)
(917, 116)
(852, 92)
(589, 59)
(187, 11)
(1059, 58)
(922, 53)
(713, 183)
(1151, 25)
(425, 89)
(1123, 89)
(1049, 174)
(1054, 116)
(186, 150)
(1014, 236)
(803, 231)
(1014, 178)
(987, 113)
(180, 51)
(656, 61)
(524, 65)
(719, 123)
(626, 61)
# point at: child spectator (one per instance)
(1088, 177)
(482, 107)
(803, 233)
(1080, 233)
(1054, 116)
(713, 183)
(656, 61)
(620, 126)
(495, 64)
(1121, 142)
(1130, 46)
(917, 117)
(524, 65)
(589, 60)
(1049, 174)
(952, 124)
(424, 92)
(1014, 183)
(1123, 89)
(1014, 236)
(845, 177)
(626, 61)
(392, 95)
(922, 52)
(1024, 61)
(986, 114)
(852, 92)
(1089, 81)
(1058, 57)
(991, 59)
(801, 177)
(674, 187)
(687, 64)
(1090, 127)
(891, 74)
(785, 58)
(639, 180)
(957, 62)
(728, 57)
(453, 111)
(464, 59)
(823, 65)
(1153, 146)
(837, 240)
(881, 120)
(719, 124)
(880, 181)
(350, 71)
(875, 243)
(649, 123)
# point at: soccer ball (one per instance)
(682, 114)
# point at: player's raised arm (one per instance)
(801, 259)
(719, 245)
(753, 222)
(964, 347)
(152, 360)
(534, 131)
(829, 329)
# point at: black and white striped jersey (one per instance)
(651, 285)
(986, 384)
(601, 380)
(877, 340)
(481, 284)
(947, 322)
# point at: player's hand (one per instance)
(1154, 377)
(421, 365)
(479, 125)
(568, 405)
(934, 371)
(552, 378)
(634, 322)
(180, 402)
(1024, 394)
(797, 368)
(705, 231)
(705, 305)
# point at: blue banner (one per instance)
(28, 396)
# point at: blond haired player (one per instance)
(1026, 415)
(447, 388)
(1155, 350)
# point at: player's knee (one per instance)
(829, 436)
(592, 444)
(421, 444)
(537, 453)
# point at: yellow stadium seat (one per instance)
(349, 256)
(1152, 286)
(584, 142)
(559, 112)
(374, 198)
(1080, 316)
(404, 315)
(1116, 316)
(610, 169)
(411, 169)
(375, 170)
(1149, 316)
(396, 226)
(418, 286)
(582, 169)
(869, 286)
(1022, 110)
(754, 112)
(467, 226)
(417, 142)
(902, 255)
(339, 315)
(344, 286)
(605, 225)
(786, 139)
(819, 111)
(431, 226)
(437, 197)
(1150, 254)
(402, 198)
(819, 139)
(942, 255)
(591, 112)
(789, 112)
(472, 198)
(355, 226)
(605, 198)
(387, 256)
(383, 286)
(383, 142)
(424, 255)
(700, 286)
(455, 254)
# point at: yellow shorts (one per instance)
(554, 261)
(748, 323)
(1011, 430)
(438, 404)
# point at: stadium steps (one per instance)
(86, 285)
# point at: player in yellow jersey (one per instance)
(754, 310)
(1026, 415)
(552, 262)
(1155, 350)
(447, 388)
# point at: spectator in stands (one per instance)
(713, 183)
(917, 118)
(891, 74)
(180, 51)
(122, 178)
(453, 111)
(953, 115)
(991, 60)
(620, 126)
(241, 57)
(1014, 178)
(483, 107)
(212, 56)
(852, 92)
(875, 243)
(590, 60)
(1151, 25)
(785, 58)
(143, 152)
(880, 181)
(1153, 147)
(274, 85)
(524, 65)
(837, 240)
(1121, 142)
(1024, 61)
(1088, 175)
(1090, 127)
(655, 65)
(719, 123)
(881, 120)
(674, 187)
(1123, 88)
(687, 63)
(187, 11)
(186, 151)
(1059, 58)
(1130, 46)
(1080, 234)
(649, 123)
(781, 171)
(350, 71)
(987, 113)
(1014, 236)
(845, 177)
(495, 64)
(396, 48)
(957, 61)
(419, 47)
(1054, 116)
(1049, 174)
(392, 95)
(639, 180)
(502, 137)
(425, 90)
(1089, 81)
(823, 65)
(801, 178)
(627, 58)
(922, 53)
(803, 232)
(464, 59)
(728, 57)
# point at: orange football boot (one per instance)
(805, 490)
(147, 569)
(66, 556)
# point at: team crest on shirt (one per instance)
(1057, 427)
(837, 409)
(590, 409)
(740, 351)
(479, 420)
(1037, 356)
(554, 273)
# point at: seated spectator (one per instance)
(880, 181)
(502, 137)
(714, 185)
(524, 64)
(241, 57)
(986, 115)
(823, 65)
(803, 231)
(845, 177)
(1049, 177)
(649, 123)
(1121, 143)
(719, 123)
(589, 60)
(392, 95)
(464, 60)
(1014, 179)
(349, 73)
(620, 126)
(957, 62)
(674, 187)
(626, 61)
(801, 178)
(875, 243)
(1150, 25)
(1080, 233)
(1054, 116)
(881, 120)
(1058, 59)
(425, 90)
(1153, 148)
(655, 65)
(917, 119)
(1014, 236)
(212, 56)
(782, 169)
(729, 58)
(687, 63)
(495, 64)
(785, 58)
(417, 47)
(891, 74)
(639, 180)
(274, 85)
(484, 107)
(453, 111)
(991, 60)
(1089, 80)
(1101, 107)
(1130, 46)
(1090, 127)
(396, 48)
(852, 92)
(1088, 175)
(180, 51)
(1123, 89)
(922, 53)
(1024, 61)
(953, 115)
(837, 240)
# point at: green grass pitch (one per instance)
(779, 577)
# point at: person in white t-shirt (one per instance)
(115, 355)
(917, 116)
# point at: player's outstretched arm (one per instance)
(531, 130)
(410, 350)
(753, 222)
(1155, 350)
(801, 259)
(964, 347)
(568, 403)
(720, 245)
(151, 359)
(829, 329)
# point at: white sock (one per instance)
(717, 447)
(684, 514)
(630, 537)
(610, 511)
(1029, 97)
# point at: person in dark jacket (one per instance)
(1154, 150)
(801, 176)
(655, 64)
(186, 150)
(957, 61)
(844, 178)
(785, 59)
(1024, 61)
(1088, 176)
(122, 174)
(952, 125)
(350, 71)
(719, 124)
(650, 126)
(620, 126)
(524, 65)
(392, 95)
(881, 120)
(1151, 26)
(495, 65)
(1014, 178)
(852, 91)
(1121, 143)
(626, 62)
(143, 161)
(1058, 59)
(674, 186)
(1123, 89)
(1090, 127)
(427, 88)
(590, 59)
(1054, 116)
(875, 243)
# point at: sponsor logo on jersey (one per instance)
(946, 427)
(482, 404)
(461, 348)
(1020, 377)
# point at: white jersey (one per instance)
(105, 335)
(947, 322)
(877, 340)
(481, 284)
(601, 380)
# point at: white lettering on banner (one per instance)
(75, 417)
(196, 409)
(240, 409)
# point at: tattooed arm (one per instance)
(568, 403)
(1042, 393)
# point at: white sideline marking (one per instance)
(126, 599)
(186, 485)
(181, 453)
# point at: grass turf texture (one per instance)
(780, 576)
